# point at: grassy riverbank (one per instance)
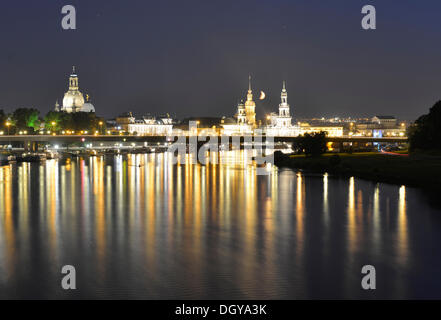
(414, 170)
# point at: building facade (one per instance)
(331, 131)
(147, 126)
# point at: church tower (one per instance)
(241, 114)
(250, 105)
(73, 80)
(284, 118)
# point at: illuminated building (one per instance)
(88, 106)
(385, 120)
(241, 114)
(73, 100)
(146, 126)
(245, 117)
(280, 124)
(380, 126)
(250, 106)
(240, 126)
(284, 118)
(331, 131)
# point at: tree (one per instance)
(53, 120)
(3, 119)
(77, 121)
(425, 133)
(26, 118)
(313, 144)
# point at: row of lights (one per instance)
(53, 123)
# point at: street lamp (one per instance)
(53, 123)
(8, 124)
(101, 127)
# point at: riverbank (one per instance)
(414, 170)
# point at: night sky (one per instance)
(192, 58)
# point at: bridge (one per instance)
(32, 142)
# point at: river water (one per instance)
(141, 227)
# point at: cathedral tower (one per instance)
(241, 114)
(250, 105)
(284, 118)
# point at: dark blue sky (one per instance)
(193, 57)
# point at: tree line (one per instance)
(29, 120)
(425, 133)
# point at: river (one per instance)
(140, 227)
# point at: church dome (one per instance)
(73, 99)
(87, 107)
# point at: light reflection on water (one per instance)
(138, 226)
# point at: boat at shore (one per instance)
(7, 159)
(31, 157)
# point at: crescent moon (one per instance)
(262, 95)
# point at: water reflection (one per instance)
(8, 242)
(139, 226)
(402, 227)
(352, 223)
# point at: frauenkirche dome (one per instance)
(73, 100)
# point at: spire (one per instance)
(250, 92)
(284, 106)
(73, 69)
